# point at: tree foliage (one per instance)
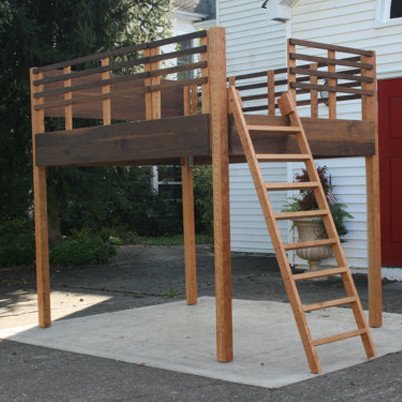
(39, 32)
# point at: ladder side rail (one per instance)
(290, 286)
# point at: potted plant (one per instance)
(313, 228)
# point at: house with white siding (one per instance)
(187, 16)
(256, 41)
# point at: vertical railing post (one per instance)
(271, 92)
(314, 93)
(152, 98)
(106, 103)
(187, 180)
(370, 113)
(205, 88)
(291, 65)
(331, 83)
(220, 168)
(40, 206)
(68, 110)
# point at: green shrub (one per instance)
(17, 246)
(203, 198)
(17, 243)
(82, 248)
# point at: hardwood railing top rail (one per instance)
(342, 49)
(121, 51)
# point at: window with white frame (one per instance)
(389, 12)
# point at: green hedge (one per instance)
(17, 246)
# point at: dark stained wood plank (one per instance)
(330, 88)
(325, 74)
(324, 61)
(342, 49)
(155, 139)
(120, 51)
(328, 138)
(127, 106)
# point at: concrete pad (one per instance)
(181, 338)
(20, 307)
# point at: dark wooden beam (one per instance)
(125, 142)
(327, 138)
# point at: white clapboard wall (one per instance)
(351, 23)
(256, 43)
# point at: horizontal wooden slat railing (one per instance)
(327, 80)
(127, 73)
(328, 75)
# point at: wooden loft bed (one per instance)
(163, 103)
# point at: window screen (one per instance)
(396, 9)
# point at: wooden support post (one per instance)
(271, 92)
(369, 112)
(106, 104)
(188, 211)
(332, 83)
(40, 205)
(314, 93)
(220, 167)
(291, 64)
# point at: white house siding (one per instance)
(254, 43)
(351, 23)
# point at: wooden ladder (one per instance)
(288, 108)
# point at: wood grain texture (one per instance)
(314, 93)
(188, 213)
(342, 49)
(271, 92)
(332, 82)
(273, 228)
(120, 51)
(220, 166)
(127, 101)
(327, 138)
(68, 110)
(172, 137)
(288, 108)
(40, 211)
(370, 113)
(106, 104)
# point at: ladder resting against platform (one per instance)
(246, 131)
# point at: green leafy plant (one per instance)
(17, 243)
(203, 198)
(307, 200)
(82, 248)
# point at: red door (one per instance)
(390, 144)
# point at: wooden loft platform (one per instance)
(164, 103)
(145, 132)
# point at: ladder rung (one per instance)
(292, 186)
(306, 244)
(301, 214)
(283, 157)
(278, 129)
(319, 274)
(330, 303)
(339, 337)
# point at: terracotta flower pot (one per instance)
(309, 230)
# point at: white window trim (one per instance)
(383, 12)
